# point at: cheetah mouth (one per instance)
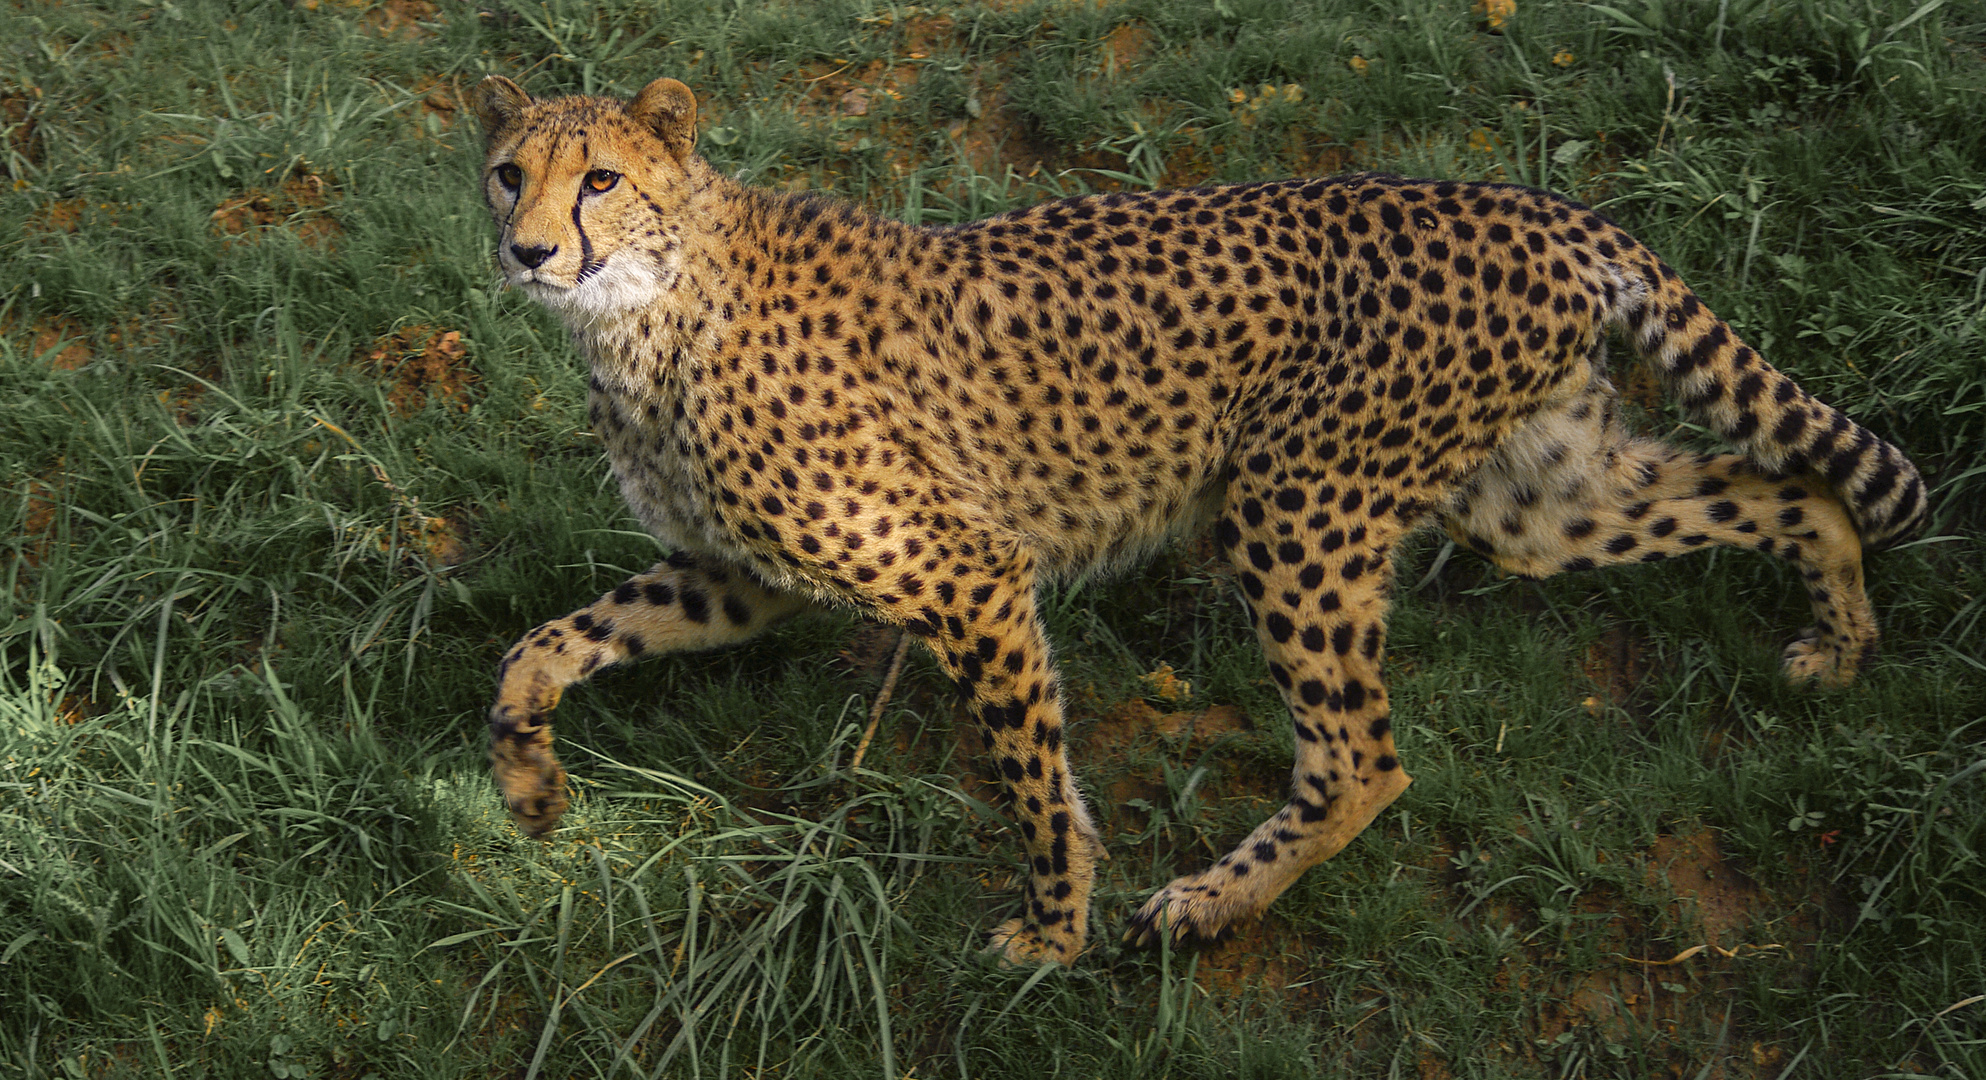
(604, 287)
(538, 282)
(536, 286)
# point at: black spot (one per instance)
(1354, 696)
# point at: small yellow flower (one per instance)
(1358, 64)
(1563, 58)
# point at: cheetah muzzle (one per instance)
(812, 405)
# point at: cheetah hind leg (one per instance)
(1573, 491)
(1322, 626)
(1207, 906)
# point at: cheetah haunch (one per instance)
(811, 405)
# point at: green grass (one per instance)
(254, 586)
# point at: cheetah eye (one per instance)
(509, 175)
(600, 180)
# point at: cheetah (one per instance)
(814, 406)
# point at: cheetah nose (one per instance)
(532, 257)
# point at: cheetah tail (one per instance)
(1723, 384)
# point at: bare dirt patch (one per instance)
(1124, 46)
(300, 204)
(60, 216)
(17, 126)
(996, 138)
(402, 19)
(1710, 892)
(1128, 755)
(44, 499)
(63, 341)
(1664, 983)
(438, 540)
(1130, 723)
(440, 100)
(924, 32)
(399, 19)
(848, 90)
(1618, 666)
(422, 364)
(1263, 957)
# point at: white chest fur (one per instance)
(637, 403)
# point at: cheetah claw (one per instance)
(1172, 913)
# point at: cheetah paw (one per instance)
(1187, 911)
(1021, 945)
(537, 811)
(1808, 660)
(530, 777)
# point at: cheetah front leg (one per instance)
(974, 608)
(682, 603)
(1319, 605)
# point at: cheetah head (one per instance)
(592, 195)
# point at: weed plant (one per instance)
(286, 472)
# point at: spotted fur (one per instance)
(812, 405)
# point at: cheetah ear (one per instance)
(667, 108)
(499, 102)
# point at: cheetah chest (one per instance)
(652, 447)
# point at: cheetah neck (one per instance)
(650, 319)
(712, 266)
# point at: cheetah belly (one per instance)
(1104, 538)
(1093, 487)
